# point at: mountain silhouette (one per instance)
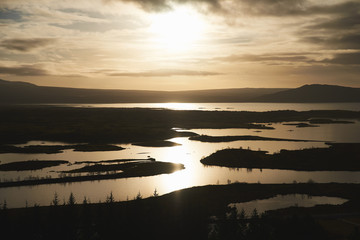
(27, 93)
(20, 92)
(314, 93)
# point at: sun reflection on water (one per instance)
(177, 106)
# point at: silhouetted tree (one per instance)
(71, 200)
(155, 194)
(86, 200)
(138, 196)
(55, 201)
(110, 198)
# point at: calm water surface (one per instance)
(189, 154)
(257, 107)
(285, 201)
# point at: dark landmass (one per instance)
(127, 166)
(96, 148)
(116, 161)
(206, 138)
(186, 134)
(26, 93)
(185, 214)
(328, 121)
(338, 157)
(314, 93)
(20, 124)
(157, 144)
(129, 170)
(30, 165)
(301, 125)
(50, 149)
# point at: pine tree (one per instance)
(71, 200)
(138, 196)
(55, 201)
(155, 194)
(110, 198)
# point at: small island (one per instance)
(52, 149)
(338, 157)
(104, 172)
(300, 125)
(31, 165)
(206, 138)
(328, 121)
(157, 144)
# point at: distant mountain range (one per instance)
(21, 92)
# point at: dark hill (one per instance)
(314, 93)
(20, 92)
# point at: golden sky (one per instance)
(180, 44)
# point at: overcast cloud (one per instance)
(229, 43)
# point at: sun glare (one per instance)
(177, 30)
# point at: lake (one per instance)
(188, 153)
(285, 201)
(256, 107)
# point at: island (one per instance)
(338, 157)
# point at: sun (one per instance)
(177, 30)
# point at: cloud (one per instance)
(279, 8)
(344, 59)
(345, 22)
(337, 41)
(284, 58)
(24, 70)
(159, 73)
(167, 5)
(26, 45)
(273, 7)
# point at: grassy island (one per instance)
(338, 157)
(30, 165)
(132, 169)
(206, 138)
(157, 144)
(50, 149)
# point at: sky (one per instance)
(180, 44)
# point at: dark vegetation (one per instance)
(338, 157)
(206, 138)
(186, 214)
(132, 169)
(20, 124)
(30, 165)
(49, 149)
